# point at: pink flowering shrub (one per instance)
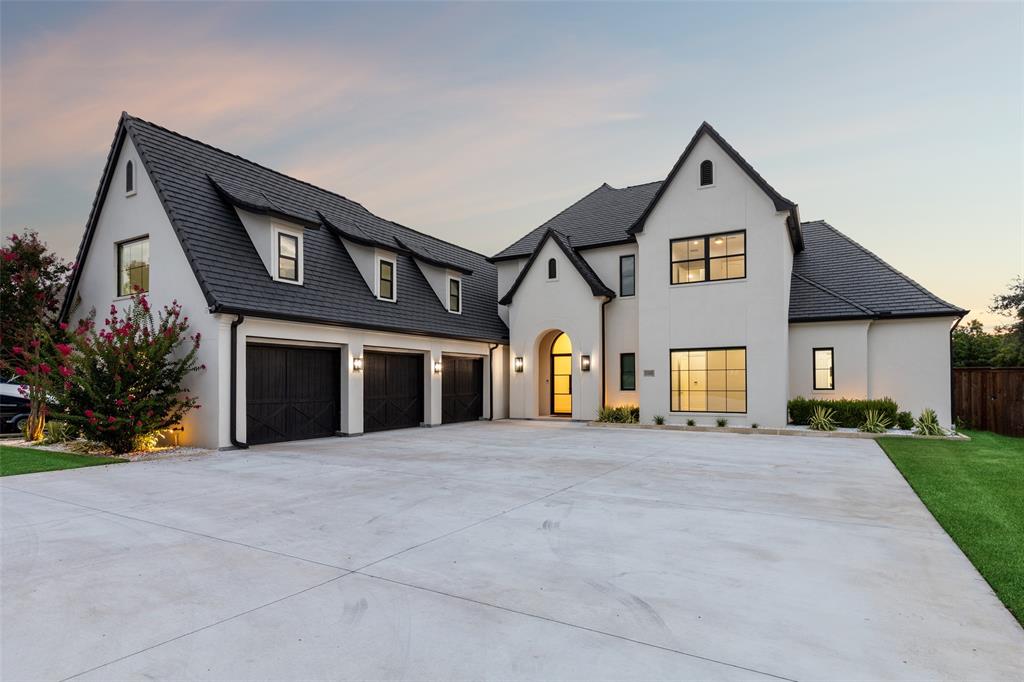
(122, 382)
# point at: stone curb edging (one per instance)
(773, 431)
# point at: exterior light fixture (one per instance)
(437, 366)
(517, 364)
(357, 363)
(585, 363)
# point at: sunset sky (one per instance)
(901, 124)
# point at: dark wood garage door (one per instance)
(291, 393)
(392, 391)
(462, 389)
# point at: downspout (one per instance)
(604, 358)
(239, 319)
(490, 384)
(952, 379)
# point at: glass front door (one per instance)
(561, 376)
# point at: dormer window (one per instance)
(288, 257)
(707, 173)
(454, 295)
(385, 279)
(129, 179)
(552, 268)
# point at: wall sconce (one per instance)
(437, 366)
(357, 363)
(517, 364)
(585, 363)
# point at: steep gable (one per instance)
(597, 287)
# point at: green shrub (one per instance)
(928, 424)
(690, 422)
(627, 414)
(659, 420)
(847, 413)
(822, 419)
(721, 421)
(904, 420)
(59, 432)
(874, 422)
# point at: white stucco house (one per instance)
(696, 297)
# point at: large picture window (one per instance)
(627, 372)
(824, 373)
(709, 258)
(709, 380)
(133, 267)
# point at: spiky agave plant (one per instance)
(927, 424)
(822, 419)
(874, 422)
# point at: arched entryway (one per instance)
(561, 376)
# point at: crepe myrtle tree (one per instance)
(120, 384)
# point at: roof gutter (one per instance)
(604, 357)
(234, 384)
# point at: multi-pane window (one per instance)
(386, 288)
(824, 375)
(627, 275)
(288, 257)
(711, 258)
(455, 295)
(133, 267)
(627, 372)
(709, 380)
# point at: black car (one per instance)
(14, 409)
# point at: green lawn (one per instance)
(15, 461)
(976, 492)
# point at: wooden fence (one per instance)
(990, 398)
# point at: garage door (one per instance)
(291, 393)
(462, 389)
(392, 391)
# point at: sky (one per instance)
(900, 124)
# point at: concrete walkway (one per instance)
(513, 550)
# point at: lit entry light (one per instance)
(437, 366)
(585, 363)
(517, 364)
(357, 363)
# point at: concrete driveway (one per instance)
(506, 550)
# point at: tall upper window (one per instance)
(710, 258)
(129, 178)
(627, 275)
(288, 257)
(707, 173)
(454, 295)
(133, 267)
(386, 277)
(627, 372)
(552, 268)
(824, 374)
(709, 380)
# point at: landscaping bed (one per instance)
(790, 430)
(973, 489)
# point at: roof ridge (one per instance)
(835, 294)
(889, 267)
(546, 222)
(131, 117)
(642, 184)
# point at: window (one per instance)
(454, 295)
(129, 179)
(707, 173)
(288, 257)
(709, 380)
(552, 268)
(386, 280)
(627, 372)
(711, 258)
(824, 374)
(133, 267)
(627, 275)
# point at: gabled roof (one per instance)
(600, 218)
(781, 202)
(597, 287)
(199, 185)
(835, 278)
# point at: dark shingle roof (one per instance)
(233, 278)
(600, 218)
(837, 278)
(597, 287)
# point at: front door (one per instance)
(561, 376)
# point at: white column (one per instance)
(352, 390)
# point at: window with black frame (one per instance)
(387, 280)
(288, 257)
(824, 369)
(709, 258)
(627, 275)
(627, 372)
(455, 295)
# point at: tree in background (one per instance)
(1012, 305)
(974, 347)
